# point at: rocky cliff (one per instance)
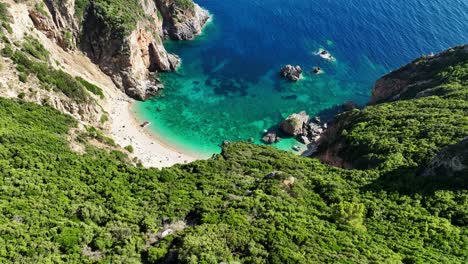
(416, 78)
(426, 98)
(56, 19)
(31, 68)
(124, 38)
(182, 19)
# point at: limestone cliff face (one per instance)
(24, 20)
(129, 58)
(57, 20)
(182, 22)
(414, 79)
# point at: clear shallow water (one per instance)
(228, 86)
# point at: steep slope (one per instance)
(427, 98)
(422, 77)
(35, 69)
(251, 204)
(123, 37)
(43, 62)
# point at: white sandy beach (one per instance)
(126, 130)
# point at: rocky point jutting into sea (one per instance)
(129, 51)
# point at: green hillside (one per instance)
(250, 204)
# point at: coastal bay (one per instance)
(228, 85)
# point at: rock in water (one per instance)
(294, 125)
(182, 22)
(270, 138)
(293, 73)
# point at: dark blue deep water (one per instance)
(228, 85)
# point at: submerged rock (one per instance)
(293, 73)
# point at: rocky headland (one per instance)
(425, 77)
(127, 48)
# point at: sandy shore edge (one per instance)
(152, 151)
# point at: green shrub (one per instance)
(69, 239)
(57, 79)
(7, 27)
(91, 87)
(346, 213)
(184, 4)
(104, 118)
(97, 134)
(68, 36)
(35, 48)
(80, 8)
(4, 14)
(156, 254)
(23, 77)
(129, 148)
(20, 68)
(41, 8)
(7, 51)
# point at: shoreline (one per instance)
(158, 138)
(151, 150)
(148, 147)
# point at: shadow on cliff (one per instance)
(412, 181)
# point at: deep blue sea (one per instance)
(228, 87)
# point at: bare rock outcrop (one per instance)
(414, 79)
(271, 137)
(292, 73)
(129, 59)
(56, 19)
(295, 124)
(182, 22)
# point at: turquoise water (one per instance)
(228, 87)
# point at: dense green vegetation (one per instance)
(4, 14)
(35, 48)
(250, 204)
(118, 16)
(406, 133)
(51, 78)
